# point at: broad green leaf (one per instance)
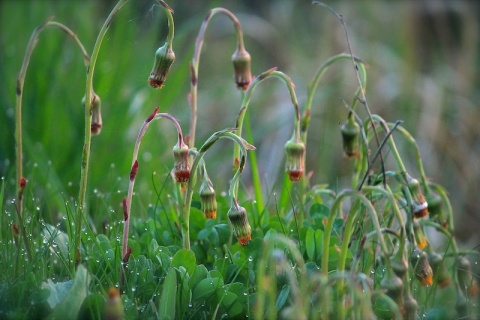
(223, 231)
(168, 296)
(185, 258)
(199, 274)
(319, 211)
(310, 244)
(206, 287)
(68, 307)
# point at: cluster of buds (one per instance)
(420, 206)
(164, 58)
(238, 217)
(181, 167)
(421, 266)
(350, 133)
(295, 159)
(242, 67)
(208, 199)
(96, 112)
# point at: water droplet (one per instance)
(250, 258)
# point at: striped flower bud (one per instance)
(467, 282)
(181, 167)
(439, 269)
(295, 159)
(419, 235)
(242, 230)
(164, 58)
(420, 206)
(113, 309)
(350, 132)
(241, 64)
(208, 200)
(421, 267)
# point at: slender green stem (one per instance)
(196, 61)
(80, 212)
(128, 199)
(18, 111)
(171, 23)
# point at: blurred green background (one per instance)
(423, 68)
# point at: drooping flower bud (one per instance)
(419, 235)
(96, 112)
(399, 264)
(241, 64)
(436, 210)
(350, 132)
(421, 267)
(439, 269)
(208, 200)
(181, 167)
(113, 309)
(467, 282)
(295, 159)
(164, 58)
(242, 230)
(420, 206)
(392, 286)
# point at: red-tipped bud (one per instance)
(420, 206)
(208, 200)
(241, 64)
(96, 112)
(439, 269)
(295, 159)
(181, 167)
(467, 282)
(350, 133)
(164, 58)
(420, 236)
(113, 309)
(423, 271)
(242, 230)
(23, 183)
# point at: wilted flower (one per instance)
(421, 267)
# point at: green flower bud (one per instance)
(384, 306)
(420, 206)
(208, 200)
(419, 235)
(241, 64)
(436, 209)
(181, 167)
(164, 58)
(242, 230)
(295, 160)
(399, 265)
(421, 267)
(439, 269)
(113, 309)
(393, 287)
(467, 282)
(350, 132)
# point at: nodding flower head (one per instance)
(242, 230)
(181, 167)
(437, 262)
(241, 64)
(96, 112)
(295, 159)
(350, 132)
(420, 206)
(208, 200)
(423, 271)
(164, 58)
(467, 282)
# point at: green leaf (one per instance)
(68, 307)
(206, 287)
(319, 211)
(199, 274)
(223, 231)
(310, 244)
(185, 258)
(56, 238)
(168, 296)
(282, 297)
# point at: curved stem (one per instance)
(133, 172)
(88, 136)
(196, 61)
(171, 23)
(18, 111)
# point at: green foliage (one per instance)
(316, 252)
